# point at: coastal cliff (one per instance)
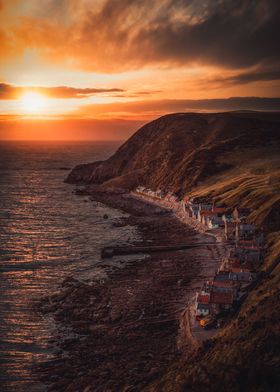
(232, 158)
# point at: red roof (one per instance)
(221, 298)
(203, 299)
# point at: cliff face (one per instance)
(232, 157)
(179, 151)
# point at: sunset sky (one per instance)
(98, 69)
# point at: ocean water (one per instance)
(46, 234)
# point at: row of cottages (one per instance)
(223, 292)
(159, 193)
(211, 218)
(231, 280)
(233, 223)
(149, 192)
(239, 269)
(193, 207)
(214, 302)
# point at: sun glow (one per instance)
(32, 102)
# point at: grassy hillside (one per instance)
(179, 151)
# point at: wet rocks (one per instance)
(123, 330)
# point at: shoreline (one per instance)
(135, 315)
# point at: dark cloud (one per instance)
(8, 91)
(119, 35)
(248, 77)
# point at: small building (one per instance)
(245, 230)
(230, 230)
(239, 214)
(242, 275)
(250, 254)
(206, 206)
(160, 194)
(193, 209)
(202, 310)
(172, 197)
(140, 189)
(203, 215)
(202, 305)
(221, 287)
(221, 276)
(214, 222)
(227, 217)
(220, 301)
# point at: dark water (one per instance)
(46, 234)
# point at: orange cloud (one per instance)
(8, 91)
(111, 35)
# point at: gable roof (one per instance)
(221, 298)
(203, 299)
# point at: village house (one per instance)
(242, 275)
(239, 214)
(203, 215)
(221, 276)
(231, 232)
(205, 206)
(169, 196)
(160, 194)
(211, 218)
(250, 254)
(221, 287)
(140, 189)
(220, 301)
(245, 230)
(202, 305)
(192, 208)
(214, 222)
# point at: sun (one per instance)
(32, 102)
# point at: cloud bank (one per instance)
(8, 91)
(113, 35)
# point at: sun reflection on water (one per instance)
(48, 234)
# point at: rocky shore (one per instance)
(124, 331)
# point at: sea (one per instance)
(47, 233)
